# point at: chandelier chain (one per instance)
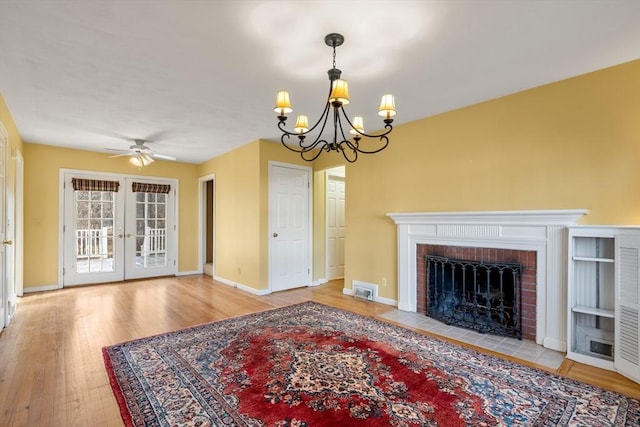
(334, 55)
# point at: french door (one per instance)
(117, 228)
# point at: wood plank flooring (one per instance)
(51, 367)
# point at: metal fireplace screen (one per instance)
(481, 296)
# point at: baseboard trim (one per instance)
(318, 282)
(381, 300)
(31, 289)
(242, 287)
(188, 273)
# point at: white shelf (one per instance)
(592, 259)
(593, 311)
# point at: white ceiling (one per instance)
(199, 77)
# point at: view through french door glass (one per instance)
(117, 229)
(153, 238)
(94, 230)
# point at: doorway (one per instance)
(207, 224)
(335, 222)
(117, 227)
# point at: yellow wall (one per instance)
(570, 144)
(237, 207)
(41, 207)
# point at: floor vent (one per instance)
(364, 291)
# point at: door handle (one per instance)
(128, 234)
(7, 242)
(120, 236)
(275, 234)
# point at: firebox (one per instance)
(477, 295)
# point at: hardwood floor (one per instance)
(51, 367)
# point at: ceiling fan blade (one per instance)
(163, 156)
(117, 150)
(120, 155)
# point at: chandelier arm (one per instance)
(382, 136)
(316, 155)
(301, 147)
(344, 153)
(387, 126)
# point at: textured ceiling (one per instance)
(198, 78)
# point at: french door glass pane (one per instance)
(94, 231)
(151, 231)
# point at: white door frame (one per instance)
(202, 214)
(18, 243)
(310, 219)
(4, 285)
(114, 176)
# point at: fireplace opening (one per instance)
(482, 296)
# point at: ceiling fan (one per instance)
(141, 155)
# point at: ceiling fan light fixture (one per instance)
(140, 160)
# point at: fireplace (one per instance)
(484, 289)
(487, 236)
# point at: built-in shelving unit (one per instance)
(592, 297)
(603, 289)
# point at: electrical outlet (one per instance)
(384, 282)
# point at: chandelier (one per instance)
(311, 148)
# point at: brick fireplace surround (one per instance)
(542, 232)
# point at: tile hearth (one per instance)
(521, 349)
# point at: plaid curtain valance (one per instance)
(143, 187)
(81, 184)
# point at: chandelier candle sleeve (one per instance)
(346, 136)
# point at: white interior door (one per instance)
(335, 226)
(117, 228)
(290, 226)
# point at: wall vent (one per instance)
(365, 291)
(599, 347)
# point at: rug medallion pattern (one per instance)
(313, 365)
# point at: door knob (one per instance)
(128, 234)
(120, 236)
(7, 242)
(275, 234)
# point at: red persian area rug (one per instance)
(313, 365)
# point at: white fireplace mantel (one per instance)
(542, 231)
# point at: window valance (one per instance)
(81, 184)
(143, 187)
